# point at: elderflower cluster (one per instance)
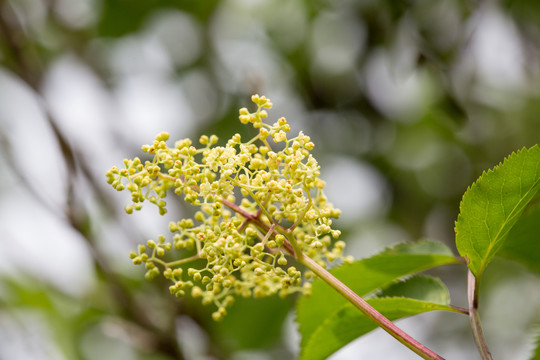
(258, 207)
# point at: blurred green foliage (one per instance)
(425, 94)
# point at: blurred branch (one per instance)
(26, 65)
(13, 38)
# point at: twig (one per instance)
(345, 291)
(27, 66)
(388, 326)
(474, 318)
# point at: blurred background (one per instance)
(407, 103)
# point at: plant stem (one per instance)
(368, 310)
(474, 318)
(341, 288)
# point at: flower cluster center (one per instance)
(257, 209)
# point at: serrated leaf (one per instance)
(419, 287)
(348, 323)
(523, 244)
(492, 205)
(368, 275)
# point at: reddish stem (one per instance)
(345, 291)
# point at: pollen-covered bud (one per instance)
(173, 226)
(150, 274)
(203, 139)
(167, 273)
(280, 240)
(317, 244)
(220, 314)
(162, 136)
(160, 251)
(177, 273)
(196, 292)
(213, 139)
(280, 136)
(292, 271)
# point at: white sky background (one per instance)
(108, 124)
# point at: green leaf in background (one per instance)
(420, 287)
(523, 243)
(348, 323)
(536, 354)
(252, 323)
(410, 297)
(66, 320)
(492, 205)
(366, 276)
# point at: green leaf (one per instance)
(348, 323)
(366, 276)
(261, 328)
(420, 287)
(492, 205)
(536, 355)
(523, 244)
(66, 319)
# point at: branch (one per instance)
(366, 309)
(28, 67)
(474, 318)
(345, 291)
